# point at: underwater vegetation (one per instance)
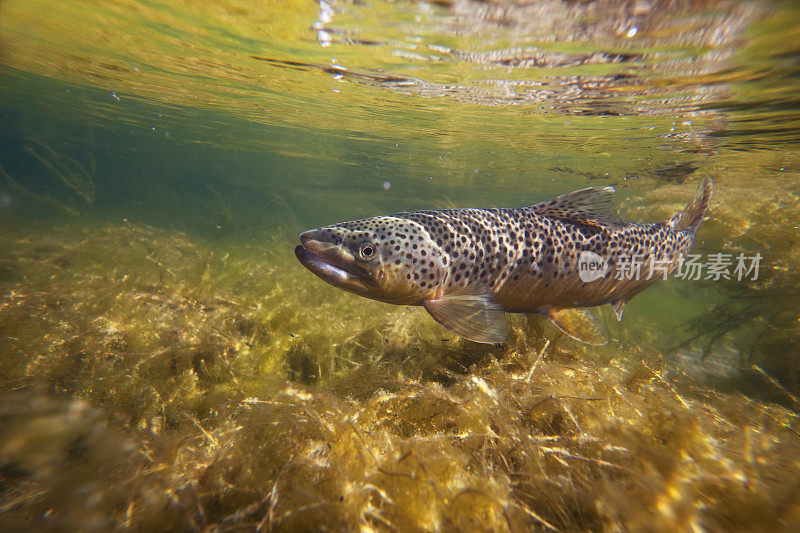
(151, 380)
(74, 182)
(763, 316)
(759, 319)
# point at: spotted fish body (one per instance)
(468, 267)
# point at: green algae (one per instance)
(759, 318)
(152, 380)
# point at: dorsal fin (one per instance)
(587, 206)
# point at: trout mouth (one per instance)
(326, 261)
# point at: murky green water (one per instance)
(166, 362)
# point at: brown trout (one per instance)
(468, 267)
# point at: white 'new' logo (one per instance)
(591, 266)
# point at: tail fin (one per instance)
(691, 217)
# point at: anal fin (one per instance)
(619, 307)
(581, 324)
(474, 317)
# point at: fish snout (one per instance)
(309, 236)
(330, 235)
(320, 241)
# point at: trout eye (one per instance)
(366, 252)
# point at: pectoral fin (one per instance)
(474, 317)
(619, 307)
(581, 324)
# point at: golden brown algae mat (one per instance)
(153, 381)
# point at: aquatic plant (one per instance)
(64, 170)
(759, 318)
(154, 381)
(764, 314)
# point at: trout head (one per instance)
(389, 259)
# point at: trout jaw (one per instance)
(326, 261)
